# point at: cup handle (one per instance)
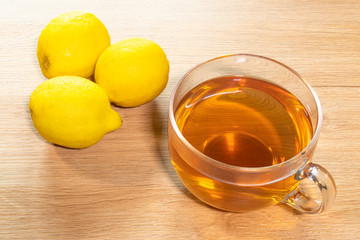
(299, 200)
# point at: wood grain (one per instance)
(124, 187)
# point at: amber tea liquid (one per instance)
(242, 122)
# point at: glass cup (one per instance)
(240, 189)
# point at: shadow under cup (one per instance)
(240, 189)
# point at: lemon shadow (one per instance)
(118, 156)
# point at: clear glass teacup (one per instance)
(242, 132)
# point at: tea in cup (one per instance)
(242, 133)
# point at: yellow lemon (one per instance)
(71, 44)
(72, 112)
(132, 72)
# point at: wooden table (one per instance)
(124, 187)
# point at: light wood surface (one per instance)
(124, 187)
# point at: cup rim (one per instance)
(238, 168)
